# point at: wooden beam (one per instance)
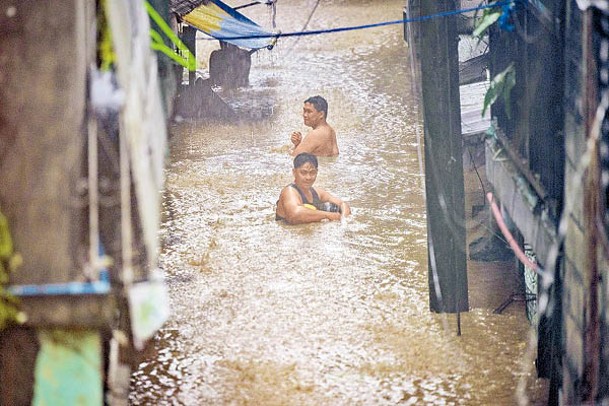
(443, 159)
(46, 48)
(83, 311)
(592, 207)
(42, 109)
(189, 37)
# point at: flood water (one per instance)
(333, 313)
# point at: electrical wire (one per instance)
(304, 27)
(365, 26)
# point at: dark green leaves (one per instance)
(501, 86)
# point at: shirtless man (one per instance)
(321, 140)
(299, 203)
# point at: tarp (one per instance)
(222, 22)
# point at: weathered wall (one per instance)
(603, 388)
(574, 248)
(44, 53)
(444, 185)
(43, 62)
(576, 308)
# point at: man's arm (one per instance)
(296, 138)
(325, 196)
(296, 213)
(310, 143)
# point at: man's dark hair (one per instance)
(303, 158)
(319, 103)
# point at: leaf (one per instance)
(6, 242)
(510, 82)
(9, 312)
(489, 97)
(501, 85)
(488, 18)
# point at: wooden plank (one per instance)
(18, 350)
(474, 69)
(521, 202)
(46, 48)
(472, 100)
(189, 35)
(42, 109)
(443, 160)
(65, 311)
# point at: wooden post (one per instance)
(45, 50)
(42, 99)
(591, 207)
(443, 159)
(189, 37)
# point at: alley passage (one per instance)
(321, 314)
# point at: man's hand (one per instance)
(296, 138)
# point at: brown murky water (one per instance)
(321, 314)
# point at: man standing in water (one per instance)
(321, 140)
(299, 203)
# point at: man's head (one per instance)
(319, 103)
(315, 111)
(303, 158)
(305, 170)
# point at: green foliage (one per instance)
(188, 61)
(9, 261)
(106, 53)
(501, 86)
(489, 17)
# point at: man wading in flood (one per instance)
(321, 140)
(299, 203)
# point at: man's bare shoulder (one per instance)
(287, 190)
(323, 131)
(319, 141)
(328, 144)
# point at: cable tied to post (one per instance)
(376, 25)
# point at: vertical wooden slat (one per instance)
(45, 50)
(591, 341)
(42, 108)
(443, 159)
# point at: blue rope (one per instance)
(360, 27)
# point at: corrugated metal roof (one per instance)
(183, 7)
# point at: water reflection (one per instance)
(330, 313)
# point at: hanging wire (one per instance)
(490, 231)
(366, 26)
(469, 151)
(273, 6)
(304, 27)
